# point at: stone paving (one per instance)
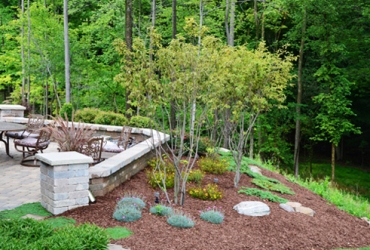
(18, 184)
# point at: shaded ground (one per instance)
(330, 228)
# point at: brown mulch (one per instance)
(330, 228)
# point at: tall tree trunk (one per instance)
(256, 20)
(22, 57)
(297, 136)
(251, 141)
(263, 21)
(66, 53)
(128, 40)
(28, 52)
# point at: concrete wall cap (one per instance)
(63, 158)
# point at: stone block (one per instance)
(82, 201)
(79, 194)
(78, 180)
(80, 187)
(63, 203)
(61, 175)
(81, 173)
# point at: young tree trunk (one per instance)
(332, 163)
(256, 20)
(66, 53)
(174, 32)
(28, 52)
(297, 137)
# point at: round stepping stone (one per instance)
(294, 204)
(305, 210)
(252, 208)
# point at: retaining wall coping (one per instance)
(116, 162)
(63, 158)
(12, 107)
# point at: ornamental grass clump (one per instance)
(209, 192)
(129, 208)
(213, 214)
(179, 219)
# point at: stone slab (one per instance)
(64, 158)
(252, 208)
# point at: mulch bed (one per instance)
(330, 228)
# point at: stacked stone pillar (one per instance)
(64, 181)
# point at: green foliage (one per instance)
(111, 118)
(117, 233)
(140, 122)
(129, 208)
(25, 230)
(196, 176)
(127, 213)
(213, 215)
(278, 187)
(246, 170)
(213, 165)
(161, 171)
(204, 143)
(66, 111)
(161, 210)
(31, 234)
(29, 208)
(265, 195)
(209, 192)
(179, 219)
(86, 115)
(135, 201)
(58, 222)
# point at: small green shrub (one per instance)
(213, 215)
(161, 170)
(161, 210)
(265, 195)
(213, 165)
(209, 192)
(127, 213)
(86, 115)
(26, 230)
(111, 118)
(155, 179)
(180, 219)
(131, 200)
(204, 143)
(140, 122)
(196, 176)
(67, 109)
(278, 187)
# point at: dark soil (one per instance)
(329, 228)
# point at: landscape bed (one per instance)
(329, 228)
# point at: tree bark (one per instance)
(22, 57)
(297, 136)
(66, 53)
(332, 163)
(128, 40)
(174, 33)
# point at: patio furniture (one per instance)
(123, 142)
(29, 146)
(6, 126)
(35, 122)
(93, 148)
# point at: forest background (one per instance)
(118, 52)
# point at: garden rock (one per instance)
(116, 247)
(287, 207)
(225, 150)
(305, 210)
(252, 208)
(366, 219)
(293, 204)
(255, 169)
